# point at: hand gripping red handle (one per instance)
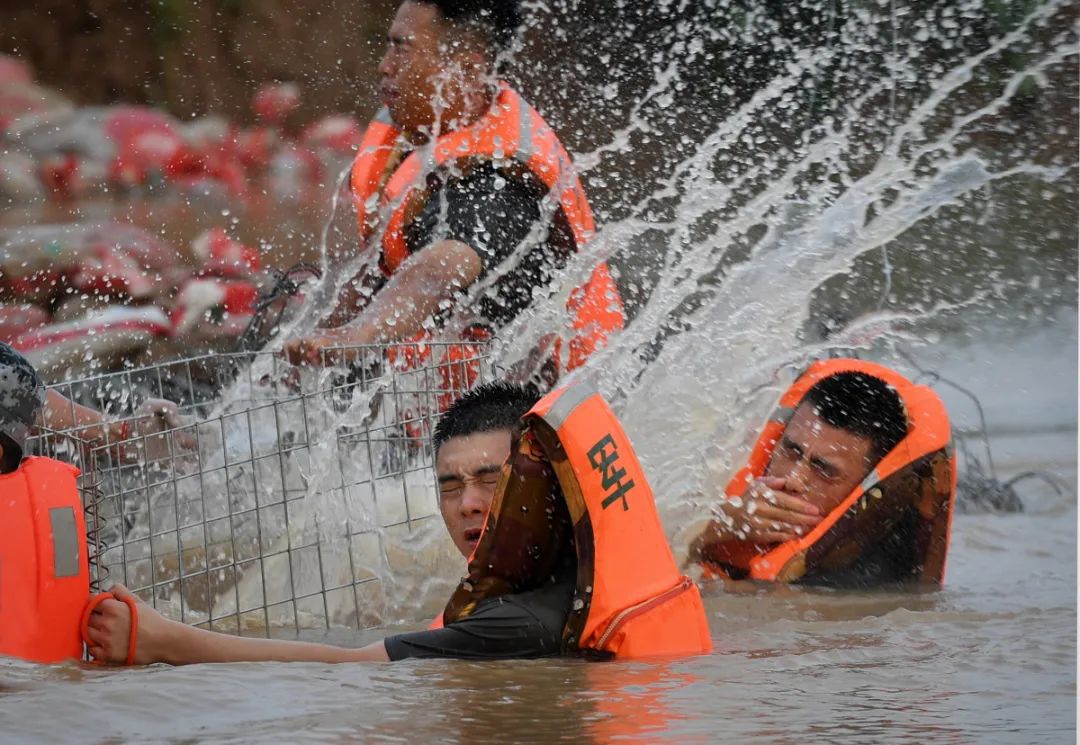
(94, 603)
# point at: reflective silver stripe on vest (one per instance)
(525, 133)
(782, 414)
(568, 401)
(65, 542)
(382, 116)
(871, 479)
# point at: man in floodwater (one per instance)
(534, 587)
(458, 183)
(472, 442)
(43, 557)
(852, 482)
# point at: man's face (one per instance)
(419, 72)
(821, 463)
(468, 470)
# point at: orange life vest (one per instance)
(44, 569)
(914, 485)
(512, 134)
(629, 599)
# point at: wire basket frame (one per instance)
(267, 509)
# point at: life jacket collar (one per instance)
(629, 598)
(894, 525)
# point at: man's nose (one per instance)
(475, 499)
(386, 66)
(797, 478)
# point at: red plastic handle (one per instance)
(93, 604)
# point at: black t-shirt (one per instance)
(495, 212)
(523, 625)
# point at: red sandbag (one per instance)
(275, 101)
(15, 70)
(110, 257)
(338, 133)
(221, 256)
(20, 319)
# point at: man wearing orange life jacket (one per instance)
(459, 180)
(44, 571)
(852, 481)
(566, 551)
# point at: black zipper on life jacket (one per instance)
(643, 607)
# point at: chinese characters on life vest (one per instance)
(604, 457)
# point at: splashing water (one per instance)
(743, 256)
(832, 189)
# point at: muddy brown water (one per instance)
(990, 658)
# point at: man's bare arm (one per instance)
(415, 291)
(162, 640)
(400, 308)
(191, 645)
(61, 413)
(354, 297)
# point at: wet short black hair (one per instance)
(863, 405)
(486, 408)
(497, 20)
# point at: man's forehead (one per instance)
(807, 429)
(413, 19)
(470, 452)
(805, 420)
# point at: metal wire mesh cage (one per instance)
(266, 509)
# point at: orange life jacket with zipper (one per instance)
(44, 567)
(903, 507)
(630, 599)
(512, 135)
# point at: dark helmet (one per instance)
(22, 394)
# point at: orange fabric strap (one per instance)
(91, 606)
